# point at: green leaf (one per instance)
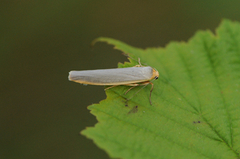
(196, 101)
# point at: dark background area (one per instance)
(41, 112)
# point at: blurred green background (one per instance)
(42, 112)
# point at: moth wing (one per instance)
(118, 76)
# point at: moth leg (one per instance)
(110, 87)
(133, 86)
(150, 93)
(137, 66)
(144, 84)
(130, 89)
(139, 62)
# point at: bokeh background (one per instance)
(41, 112)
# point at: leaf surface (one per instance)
(196, 101)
